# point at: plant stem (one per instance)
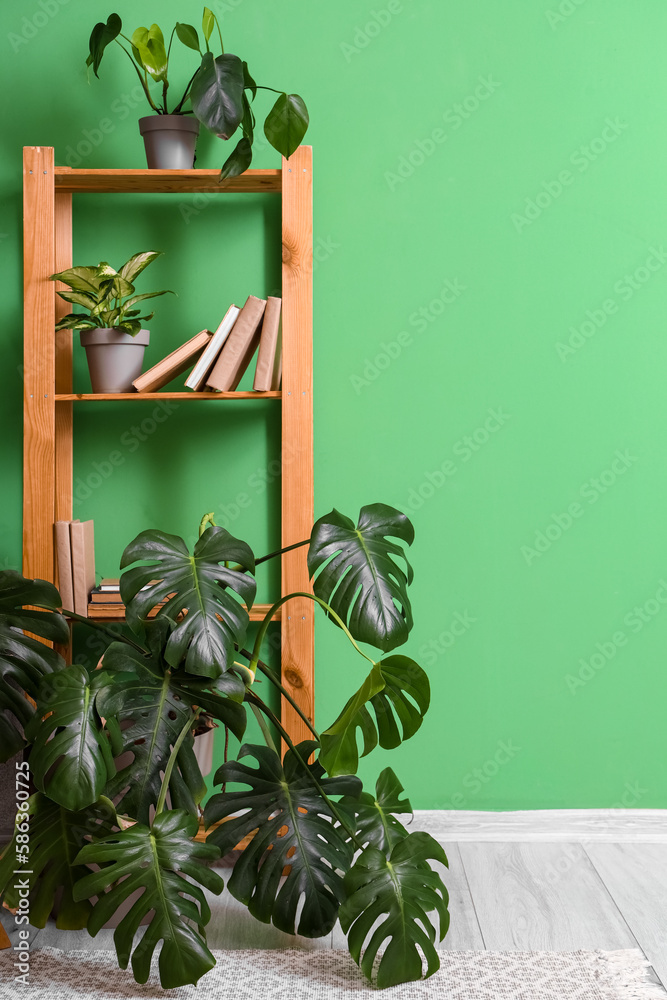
(273, 677)
(285, 735)
(251, 699)
(272, 89)
(205, 521)
(172, 760)
(186, 94)
(279, 552)
(141, 79)
(311, 597)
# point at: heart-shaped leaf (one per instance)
(70, 758)
(101, 36)
(168, 865)
(248, 82)
(207, 23)
(24, 660)
(188, 35)
(401, 890)
(374, 815)
(214, 621)
(151, 705)
(396, 687)
(297, 837)
(286, 123)
(55, 836)
(238, 160)
(356, 572)
(149, 43)
(217, 92)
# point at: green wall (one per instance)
(489, 339)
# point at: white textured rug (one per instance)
(332, 975)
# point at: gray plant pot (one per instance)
(170, 141)
(115, 359)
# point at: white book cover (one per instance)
(197, 379)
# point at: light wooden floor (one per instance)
(511, 894)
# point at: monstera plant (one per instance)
(116, 815)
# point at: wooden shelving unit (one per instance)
(48, 391)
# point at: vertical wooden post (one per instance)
(63, 364)
(297, 435)
(38, 362)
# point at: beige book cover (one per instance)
(82, 538)
(269, 367)
(64, 560)
(239, 348)
(174, 364)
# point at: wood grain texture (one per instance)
(541, 897)
(546, 825)
(636, 877)
(39, 431)
(91, 397)
(297, 435)
(166, 181)
(64, 469)
(116, 612)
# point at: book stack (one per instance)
(75, 556)
(221, 358)
(108, 603)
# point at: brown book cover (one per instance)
(64, 559)
(83, 563)
(269, 366)
(174, 364)
(239, 347)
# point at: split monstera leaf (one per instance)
(118, 806)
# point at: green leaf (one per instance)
(238, 160)
(208, 23)
(80, 299)
(76, 321)
(374, 815)
(401, 890)
(115, 288)
(149, 43)
(152, 704)
(248, 82)
(217, 92)
(188, 35)
(396, 687)
(356, 572)
(204, 640)
(286, 124)
(137, 263)
(70, 758)
(296, 832)
(80, 279)
(56, 836)
(140, 298)
(24, 660)
(101, 35)
(164, 862)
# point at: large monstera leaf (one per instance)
(355, 570)
(55, 837)
(24, 661)
(217, 93)
(402, 890)
(214, 621)
(70, 757)
(151, 705)
(396, 689)
(166, 863)
(374, 815)
(296, 835)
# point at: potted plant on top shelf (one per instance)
(111, 329)
(314, 847)
(220, 91)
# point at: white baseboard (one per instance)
(545, 825)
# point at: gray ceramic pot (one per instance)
(170, 141)
(115, 359)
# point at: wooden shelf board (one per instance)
(165, 181)
(87, 397)
(116, 612)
